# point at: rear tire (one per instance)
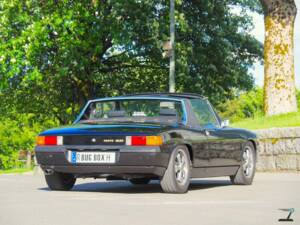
(177, 176)
(139, 181)
(60, 181)
(246, 172)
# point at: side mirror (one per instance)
(225, 123)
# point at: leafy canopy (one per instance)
(55, 55)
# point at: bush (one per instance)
(18, 134)
(246, 105)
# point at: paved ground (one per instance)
(25, 200)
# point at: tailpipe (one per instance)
(48, 171)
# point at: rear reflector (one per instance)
(49, 140)
(144, 140)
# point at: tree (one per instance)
(55, 55)
(279, 84)
(216, 49)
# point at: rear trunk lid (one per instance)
(104, 134)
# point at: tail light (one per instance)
(144, 140)
(130, 140)
(49, 140)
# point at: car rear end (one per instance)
(114, 138)
(102, 155)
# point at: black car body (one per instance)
(105, 141)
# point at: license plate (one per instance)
(92, 157)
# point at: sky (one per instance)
(258, 32)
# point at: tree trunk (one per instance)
(279, 80)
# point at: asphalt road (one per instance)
(25, 200)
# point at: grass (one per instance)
(283, 120)
(16, 170)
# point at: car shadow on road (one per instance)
(124, 187)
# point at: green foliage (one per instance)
(215, 49)
(55, 55)
(19, 134)
(248, 106)
(245, 105)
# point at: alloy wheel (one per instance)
(248, 161)
(181, 167)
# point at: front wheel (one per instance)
(60, 181)
(177, 176)
(245, 173)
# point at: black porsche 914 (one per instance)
(169, 137)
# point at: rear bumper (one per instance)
(92, 171)
(129, 160)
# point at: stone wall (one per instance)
(279, 149)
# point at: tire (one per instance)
(60, 181)
(246, 172)
(177, 176)
(139, 181)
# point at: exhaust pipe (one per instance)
(48, 171)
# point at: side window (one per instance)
(204, 113)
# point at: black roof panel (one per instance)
(167, 94)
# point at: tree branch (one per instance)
(114, 56)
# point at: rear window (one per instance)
(133, 109)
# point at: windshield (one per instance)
(134, 110)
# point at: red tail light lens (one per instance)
(49, 140)
(138, 140)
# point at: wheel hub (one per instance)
(181, 167)
(248, 161)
